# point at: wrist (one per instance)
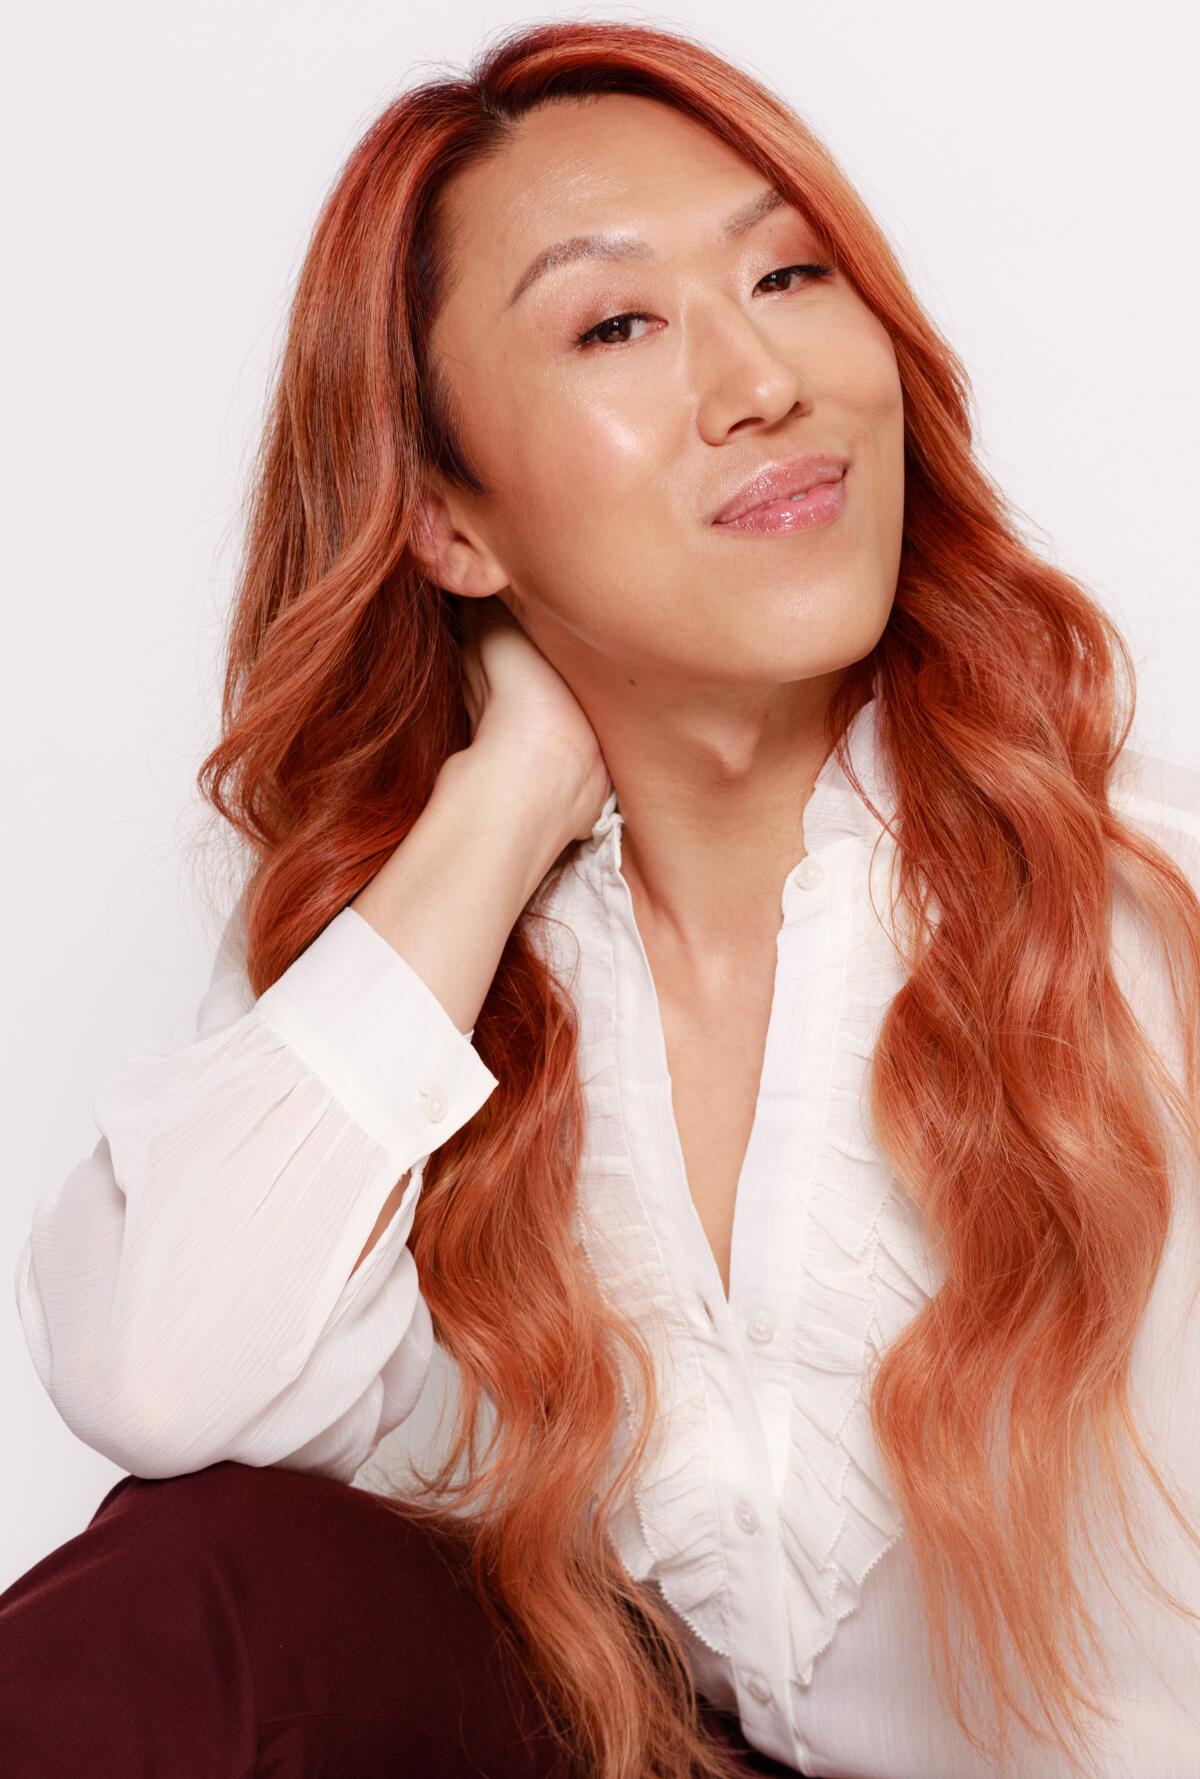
(515, 776)
(515, 795)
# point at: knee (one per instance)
(226, 1505)
(123, 1646)
(290, 1547)
(150, 1542)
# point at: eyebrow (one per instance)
(610, 246)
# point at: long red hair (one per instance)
(1011, 1084)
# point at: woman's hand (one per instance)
(521, 708)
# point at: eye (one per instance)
(594, 336)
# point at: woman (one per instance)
(711, 961)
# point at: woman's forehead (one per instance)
(572, 168)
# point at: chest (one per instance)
(714, 1034)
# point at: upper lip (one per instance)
(778, 479)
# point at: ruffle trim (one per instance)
(665, 1527)
(865, 1274)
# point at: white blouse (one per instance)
(186, 1293)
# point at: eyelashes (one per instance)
(593, 336)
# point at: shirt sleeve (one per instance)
(186, 1293)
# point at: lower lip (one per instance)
(820, 506)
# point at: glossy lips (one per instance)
(763, 504)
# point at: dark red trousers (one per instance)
(239, 1622)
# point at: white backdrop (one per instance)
(1033, 164)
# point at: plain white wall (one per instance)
(1034, 165)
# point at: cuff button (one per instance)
(434, 1104)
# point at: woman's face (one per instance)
(605, 461)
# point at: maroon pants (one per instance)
(238, 1622)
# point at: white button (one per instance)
(435, 1103)
(809, 873)
(761, 1325)
(758, 1689)
(746, 1517)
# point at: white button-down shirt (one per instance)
(186, 1294)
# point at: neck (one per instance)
(712, 789)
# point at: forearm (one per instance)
(450, 894)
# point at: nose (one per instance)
(741, 378)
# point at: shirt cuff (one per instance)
(370, 1027)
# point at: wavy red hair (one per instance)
(1011, 1082)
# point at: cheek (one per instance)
(867, 374)
(590, 552)
(585, 457)
(574, 486)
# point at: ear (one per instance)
(457, 560)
